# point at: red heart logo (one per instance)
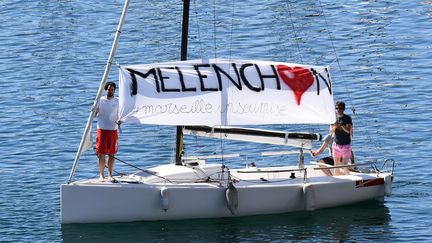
(297, 78)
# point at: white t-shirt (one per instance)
(108, 113)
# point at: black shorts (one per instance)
(328, 160)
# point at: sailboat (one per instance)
(217, 98)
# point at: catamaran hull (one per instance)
(106, 202)
(87, 204)
(326, 195)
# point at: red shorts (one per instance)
(341, 151)
(106, 141)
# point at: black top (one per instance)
(342, 137)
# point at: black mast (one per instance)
(183, 57)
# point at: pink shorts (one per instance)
(341, 151)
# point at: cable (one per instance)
(131, 165)
(296, 39)
(198, 29)
(145, 171)
(353, 109)
(232, 28)
(214, 29)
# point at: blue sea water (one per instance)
(53, 53)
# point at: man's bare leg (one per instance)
(101, 167)
(110, 166)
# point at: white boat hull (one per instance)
(86, 204)
(93, 202)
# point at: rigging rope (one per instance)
(331, 38)
(232, 28)
(131, 165)
(315, 128)
(207, 178)
(353, 109)
(117, 64)
(214, 28)
(296, 39)
(215, 56)
(198, 29)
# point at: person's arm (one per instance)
(333, 128)
(95, 109)
(321, 149)
(347, 128)
(351, 131)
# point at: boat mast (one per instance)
(183, 57)
(87, 129)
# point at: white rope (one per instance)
(117, 64)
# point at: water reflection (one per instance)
(364, 221)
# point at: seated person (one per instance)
(327, 143)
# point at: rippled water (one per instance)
(52, 56)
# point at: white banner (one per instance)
(226, 92)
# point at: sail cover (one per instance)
(226, 92)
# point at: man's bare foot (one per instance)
(101, 179)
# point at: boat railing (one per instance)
(386, 164)
(304, 170)
(339, 166)
(375, 169)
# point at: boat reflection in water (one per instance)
(354, 223)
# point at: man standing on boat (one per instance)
(106, 136)
(342, 131)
